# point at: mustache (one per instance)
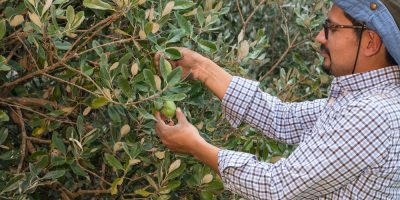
(323, 48)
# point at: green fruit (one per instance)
(168, 109)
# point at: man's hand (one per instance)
(185, 138)
(191, 62)
(182, 137)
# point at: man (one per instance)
(348, 143)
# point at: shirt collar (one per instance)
(361, 81)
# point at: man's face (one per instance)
(340, 49)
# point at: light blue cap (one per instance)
(377, 17)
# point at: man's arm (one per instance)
(242, 100)
(338, 153)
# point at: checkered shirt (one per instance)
(348, 144)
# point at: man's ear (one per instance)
(374, 43)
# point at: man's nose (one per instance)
(320, 38)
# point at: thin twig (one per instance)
(29, 52)
(11, 54)
(86, 76)
(69, 83)
(92, 173)
(252, 13)
(37, 140)
(83, 192)
(30, 75)
(158, 94)
(23, 140)
(27, 101)
(240, 11)
(281, 58)
(104, 23)
(106, 44)
(286, 25)
(34, 111)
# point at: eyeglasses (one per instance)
(327, 25)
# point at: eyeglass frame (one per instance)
(327, 25)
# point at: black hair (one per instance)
(389, 57)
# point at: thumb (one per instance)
(180, 116)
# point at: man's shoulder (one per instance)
(385, 101)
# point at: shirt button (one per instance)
(373, 6)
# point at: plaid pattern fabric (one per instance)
(348, 144)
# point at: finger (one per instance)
(160, 121)
(180, 116)
(171, 123)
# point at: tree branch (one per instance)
(291, 45)
(23, 140)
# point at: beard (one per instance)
(326, 68)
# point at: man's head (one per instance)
(349, 46)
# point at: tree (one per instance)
(79, 85)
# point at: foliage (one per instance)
(79, 84)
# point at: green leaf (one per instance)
(174, 97)
(70, 14)
(164, 71)
(99, 102)
(175, 76)
(174, 184)
(4, 67)
(2, 28)
(97, 4)
(150, 78)
(113, 162)
(148, 28)
(13, 183)
(183, 4)
(200, 16)
(80, 125)
(54, 174)
(184, 24)
(3, 116)
(206, 195)
(79, 17)
(207, 46)
(98, 50)
(10, 155)
(135, 150)
(142, 192)
(77, 170)
(3, 135)
(57, 161)
(143, 113)
(56, 113)
(215, 185)
(114, 114)
(151, 181)
(125, 87)
(173, 54)
(58, 143)
(62, 45)
(177, 172)
(87, 69)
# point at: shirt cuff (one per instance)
(237, 99)
(231, 159)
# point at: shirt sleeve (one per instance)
(339, 152)
(286, 122)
